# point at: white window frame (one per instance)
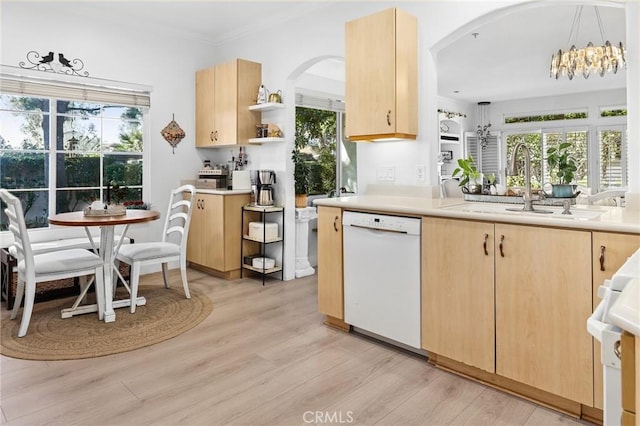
(17, 82)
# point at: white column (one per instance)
(303, 216)
(632, 198)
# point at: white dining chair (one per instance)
(50, 266)
(172, 247)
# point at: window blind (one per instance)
(487, 160)
(316, 102)
(21, 85)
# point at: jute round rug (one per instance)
(167, 314)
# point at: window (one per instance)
(487, 160)
(546, 117)
(538, 142)
(320, 125)
(612, 159)
(57, 154)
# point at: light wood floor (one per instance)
(263, 357)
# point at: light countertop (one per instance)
(596, 218)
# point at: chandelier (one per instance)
(596, 59)
(483, 128)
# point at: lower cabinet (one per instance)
(508, 301)
(543, 300)
(330, 290)
(215, 233)
(458, 319)
(609, 252)
(511, 300)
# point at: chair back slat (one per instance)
(18, 228)
(179, 212)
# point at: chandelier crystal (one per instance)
(590, 59)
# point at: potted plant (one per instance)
(471, 181)
(561, 166)
(301, 177)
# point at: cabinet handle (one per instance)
(501, 245)
(215, 135)
(602, 248)
(617, 349)
(202, 204)
(484, 244)
(335, 223)
(211, 137)
(389, 118)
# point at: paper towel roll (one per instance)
(241, 179)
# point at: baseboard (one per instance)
(555, 402)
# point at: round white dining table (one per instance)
(107, 226)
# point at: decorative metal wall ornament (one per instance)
(52, 62)
(483, 128)
(173, 133)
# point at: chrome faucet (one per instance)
(513, 170)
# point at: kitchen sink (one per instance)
(577, 213)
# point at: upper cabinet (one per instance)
(223, 96)
(381, 92)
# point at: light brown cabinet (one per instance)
(330, 290)
(223, 96)
(543, 300)
(381, 87)
(609, 252)
(514, 302)
(215, 233)
(458, 319)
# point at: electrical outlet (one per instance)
(386, 174)
(420, 173)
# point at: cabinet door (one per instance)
(233, 230)
(196, 229)
(212, 244)
(249, 77)
(330, 286)
(381, 76)
(226, 101)
(205, 107)
(614, 249)
(457, 291)
(543, 300)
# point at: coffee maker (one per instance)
(266, 178)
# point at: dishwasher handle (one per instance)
(394, 231)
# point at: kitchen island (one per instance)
(505, 294)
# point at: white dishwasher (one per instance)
(382, 275)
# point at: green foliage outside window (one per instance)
(86, 136)
(546, 117)
(315, 142)
(614, 113)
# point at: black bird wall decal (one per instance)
(47, 59)
(64, 61)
